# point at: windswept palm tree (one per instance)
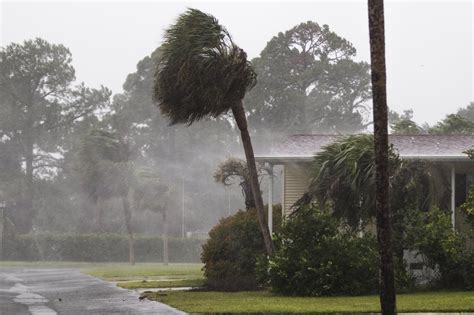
(106, 172)
(382, 195)
(202, 73)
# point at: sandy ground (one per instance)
(47, 291)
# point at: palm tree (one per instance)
(106, 172)
(152, 195)
(233, 171)
(382, 197)
(203, 73)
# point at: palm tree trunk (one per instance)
(241, 120)
(379, 94)
(128, 224)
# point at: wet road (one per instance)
(41, 291)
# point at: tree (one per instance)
(176, 152)
(232, 170)
(106, 171)
(452, 124)
(404, 124)
(39, 108)
(308, 82)
(347, 165)
(382, 186)
(467, 112)
(203, 73)
(152, 195)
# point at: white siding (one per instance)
(296, 179)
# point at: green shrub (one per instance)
(444, 250)
(98, 248)
(315, 256)
(231, 252)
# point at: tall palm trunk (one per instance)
(241, 120)
(379, 94)
(128, 225)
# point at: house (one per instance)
(445, 152)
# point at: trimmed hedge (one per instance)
(99, 248)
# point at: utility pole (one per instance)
(183, 228)
(2, 226)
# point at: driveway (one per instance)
(45, 291)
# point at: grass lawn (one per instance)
(147, 284)
(265, 302)
(140, 275)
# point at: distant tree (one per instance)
(149, 193)
(203, 73)
(106, 171)
(39, 106)
(452, 124)
(404, 124)
(381, 148)
(309, 82)
(176, 152)
(235, 170)
(467, 112)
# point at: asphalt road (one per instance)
(41, 291)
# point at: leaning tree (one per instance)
(233, 171)
(106, 171)
(203, 73)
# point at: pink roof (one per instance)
(424, 146)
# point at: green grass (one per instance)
(265, 302)
(144, 284)
(140, 275)
(145, 271)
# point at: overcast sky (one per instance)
(429, 44)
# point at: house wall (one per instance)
(296, 178)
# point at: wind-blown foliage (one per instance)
(106, 171)
(201, 71)
(104, 165)
(347, 165)
(235, 170)
(343, 178)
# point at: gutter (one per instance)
(310, 158)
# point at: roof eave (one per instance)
(310, 158)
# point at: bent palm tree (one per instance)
(106, 172)
(203, 73)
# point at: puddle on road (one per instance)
(33, 301)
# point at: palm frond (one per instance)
(201, 71)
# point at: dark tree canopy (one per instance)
(40, 110)
(453, 124)
(201, 72)
(308, 82)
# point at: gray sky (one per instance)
(429, 44)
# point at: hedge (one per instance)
(99, 248)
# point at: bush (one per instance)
(444, 250)
(316, 257)
(231, 252)
(98, 248)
